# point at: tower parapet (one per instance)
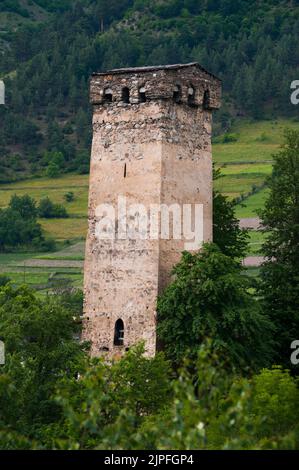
(183, 83)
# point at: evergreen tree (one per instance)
(280, 274)
(226, 230)
(210, 297)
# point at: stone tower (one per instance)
(151, 146)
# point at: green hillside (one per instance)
(50, 48)
(246, 162)
(224, 374)
(244, 165)
(16, 15)
(239, 176)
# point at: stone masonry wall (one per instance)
(151, 145)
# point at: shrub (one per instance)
(228, 138)
(69, 197)
(53, 170)
(48, 210)
(16, 231)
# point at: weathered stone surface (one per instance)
(155, 148)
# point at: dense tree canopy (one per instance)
(40, 349)
(19, 228)
(280, 274)
(210, 297)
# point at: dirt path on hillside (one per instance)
(56, 263)
(253, 223)
(253, 261)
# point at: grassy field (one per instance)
(244, 164)
(55, 188)
(252, 205)
(256, 142)
(36, 270)
(256, 239)
(65, 229)
(247, 162)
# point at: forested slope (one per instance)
(50, 48)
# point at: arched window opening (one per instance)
(191, 95)
(108, 95)
(142, 95)
(206, 100)
(119, 333)
(125, 95)
(177, 94)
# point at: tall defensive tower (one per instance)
(151, 146)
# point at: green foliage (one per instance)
(49, 210)
(227, 234)
(40, 351)
(56, 159)
(58, 5)
(19, 227)
(81, 163)
(275, 398)
(72, 299)
(52, 170)
(206, 409)
(183, 423)
(54, 395)
(228, 138)
(16, 231)
(4, 280)
(69, 196)
(24, 205)
(210, 297)
(134, 386)
(51, 394)
(262, 138)
(251, 45)
(280, 215)
(265, 413)
(14, 7)
(280, 274)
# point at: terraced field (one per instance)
(244, 164)
(43, 272)
(46, 272)
(55, 188)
